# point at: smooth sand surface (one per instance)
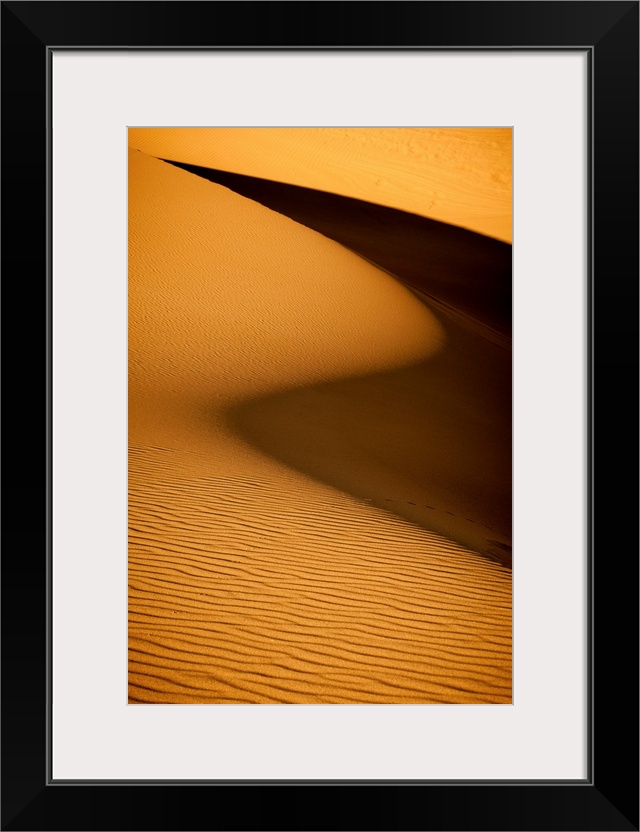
(319, 493)
(459, 268)
(459, 176)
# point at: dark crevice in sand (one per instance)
(455, 266)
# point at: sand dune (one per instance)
(281, 391)
(459, 176)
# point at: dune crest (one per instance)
(460, 176)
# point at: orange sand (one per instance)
(455, 175)
(318, 484)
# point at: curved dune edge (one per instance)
(463, 270)
(251, 581)
(461, 176)
(227, 295)
(430, 442)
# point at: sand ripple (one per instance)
(336, 602)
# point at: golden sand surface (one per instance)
(319, 495)
(460, 176)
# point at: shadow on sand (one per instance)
(457, 267)
(430, 443)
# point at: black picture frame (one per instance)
(608, 798)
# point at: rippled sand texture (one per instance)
(270, 559)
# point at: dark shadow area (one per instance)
(430, 443)
(457, 267)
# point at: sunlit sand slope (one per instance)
(460, 176)
(251, 580)
(450, 264)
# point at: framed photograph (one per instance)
(333, 302)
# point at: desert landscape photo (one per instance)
(320, 415)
